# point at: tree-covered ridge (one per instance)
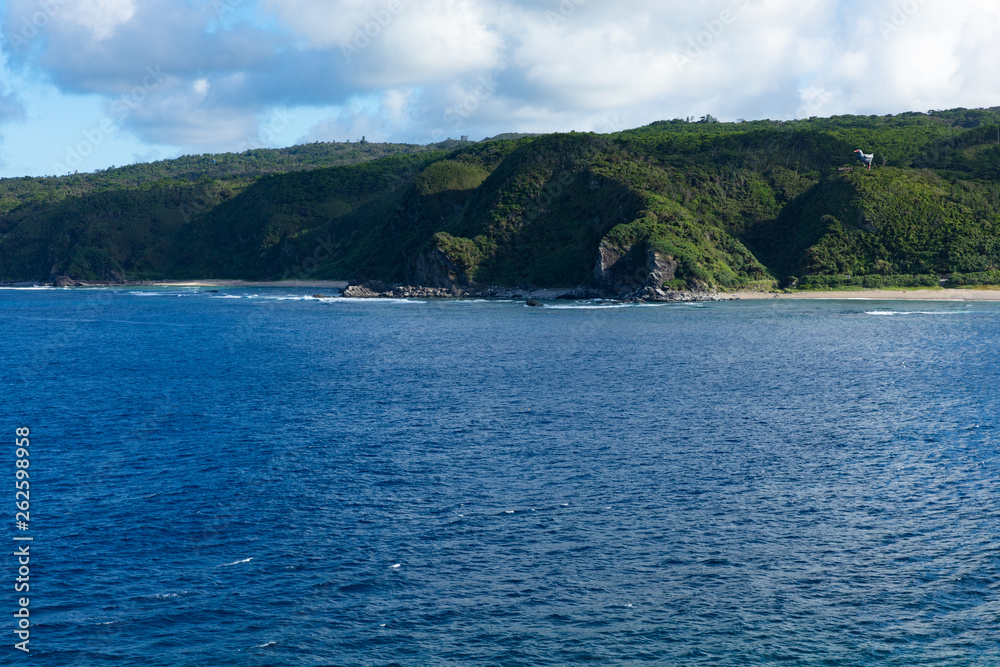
(239, 167)
(676, 203)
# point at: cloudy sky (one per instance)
(86, 84)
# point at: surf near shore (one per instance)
(375, 290)
(327, 284)
(939, 294)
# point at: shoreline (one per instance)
(552, 293)
(940, 294)
(329, 284)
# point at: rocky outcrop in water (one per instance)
(65, 281)
(375, 289)
(660, 295)
(642, 294)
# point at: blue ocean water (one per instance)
(255, 477)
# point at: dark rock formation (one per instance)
(628, 294)
(582, 294)
(619, 270)
(621, 277)
(661, 268)
(615, 268)
(374, 289)
(434, 269)
(360, 291)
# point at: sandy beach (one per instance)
(878, 294)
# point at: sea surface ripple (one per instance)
(277, 480)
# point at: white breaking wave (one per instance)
(237, 562)
(291, 297)
(916, 312)
(164, 596)
(173, 294)
(594, 306)
(340, 299)
(35, 288)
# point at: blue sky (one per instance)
(86, 84)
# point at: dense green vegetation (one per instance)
(722, 204)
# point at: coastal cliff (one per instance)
(672, 210)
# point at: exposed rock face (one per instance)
(377, 290)
(662, 268)
(618, 271)
(621, 273)
(615, 268)
(434, 269)
(360, 291)
(658, 295)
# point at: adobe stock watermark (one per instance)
(268, 131)
(121, 108)
(560, 182)
(456, 115)
(326, 248)
(32, 25)
(901, 15)
(223, 7)
(813, 101)
(195, 207)
(324, 251)
(698, 45)
(565, 10)
(364, 33)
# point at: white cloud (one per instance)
(382, 118)
(334, 23)
(100, 17)
(594, 67)
(95, 20)
(400, 70)
(916, 55)
(390, 43)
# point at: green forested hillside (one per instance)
(678, 203)
(128, 220)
